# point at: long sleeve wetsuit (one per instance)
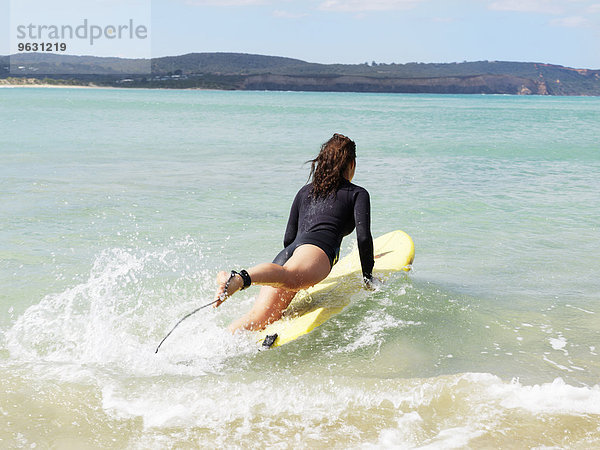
(325, 221)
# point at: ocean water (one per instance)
(118, 207)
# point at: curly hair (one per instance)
(328, 168)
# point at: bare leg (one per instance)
(307, 266)
(268, 307)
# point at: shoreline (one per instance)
(94, 86)
(60, 86)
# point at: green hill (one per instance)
(260, 72)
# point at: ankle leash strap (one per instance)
(245, 277)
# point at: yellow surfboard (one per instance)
(394, 252)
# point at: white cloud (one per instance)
(288, 15)
(573, 13)
(571, 22)
(367, 5)
(540, 6)
(595, 8)
(226, 2)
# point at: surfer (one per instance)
(323, 212)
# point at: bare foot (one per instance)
(234, 285)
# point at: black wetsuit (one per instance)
(325, 221)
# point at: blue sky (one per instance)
(565, 32)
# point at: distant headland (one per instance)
(240, 71)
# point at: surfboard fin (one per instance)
(269, 340)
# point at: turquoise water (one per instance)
(118, 207)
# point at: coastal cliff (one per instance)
(477, 84)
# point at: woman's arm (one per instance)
(292, 226)
(362, 220)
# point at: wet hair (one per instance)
(328, 168)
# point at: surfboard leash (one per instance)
(221, 298)
(182, 319)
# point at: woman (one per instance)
(323, 212)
